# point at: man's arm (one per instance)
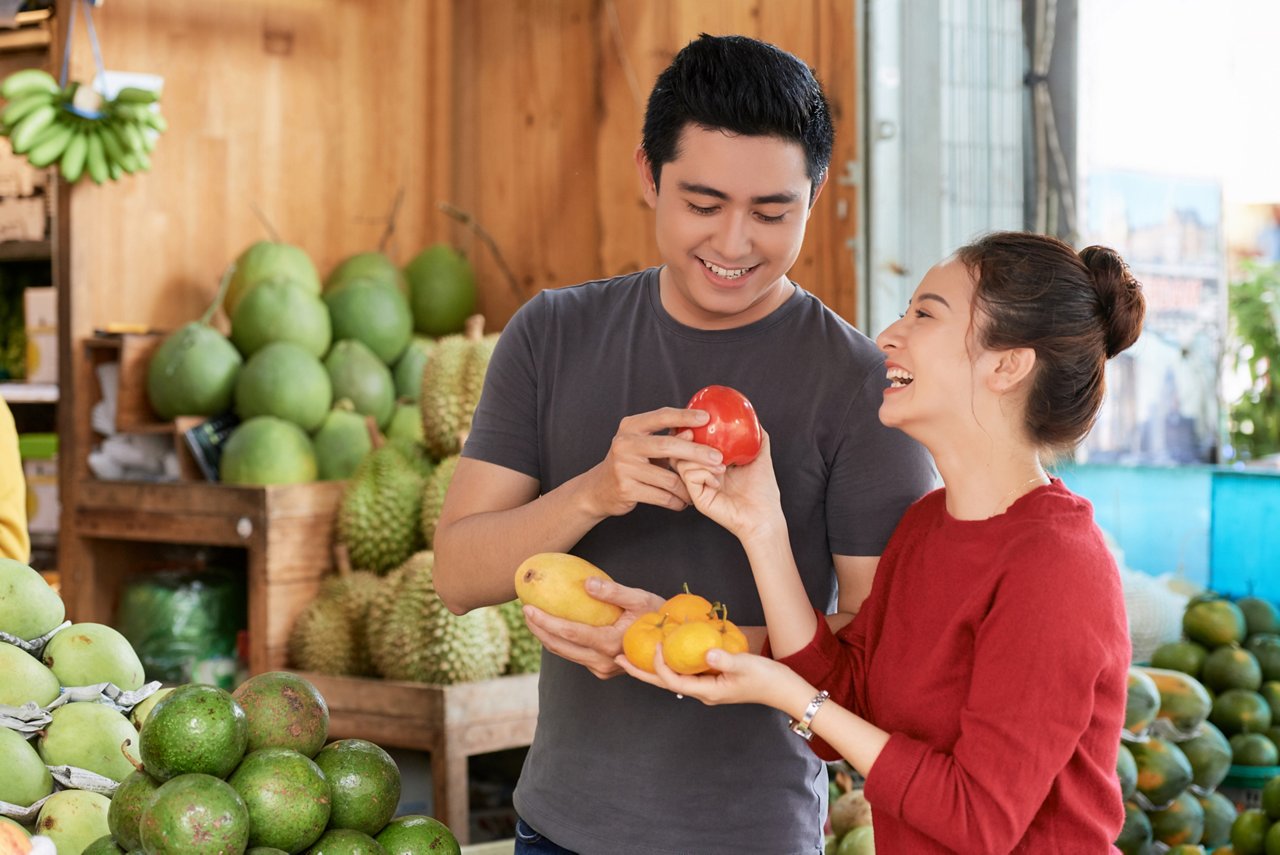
(854, 575)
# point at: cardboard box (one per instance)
(40, 308)
(43, 507)
(23, 218)
(17, 176)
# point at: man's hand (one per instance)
(638, 468)
(593, 647)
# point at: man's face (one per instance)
(731, 214)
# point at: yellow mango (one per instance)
(556, 583)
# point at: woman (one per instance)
(981, 687)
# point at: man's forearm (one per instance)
(476, 556)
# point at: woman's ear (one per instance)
(648, 186)
(1012, 367)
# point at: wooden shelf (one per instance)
(34, 32)
(29, 393)
(26, 250)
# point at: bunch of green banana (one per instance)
(76, 129)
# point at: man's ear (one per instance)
(817, 191)
(1011, 369)
(648, 186)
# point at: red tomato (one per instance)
(733, 428)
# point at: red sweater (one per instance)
(995, 653)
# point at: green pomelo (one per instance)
(133, 794)
(366, 265)
(268, 450)
(406, 423)
(1240, 711)
(442, 290)
(356, 373)
(1180, 823)
(1219, 813)
(103, 846)
(73, 819)
(280, 310)
(1163, 770)
(138, 715)
(408, 368)
(87, 653)
(345, 841)
(93, 737)
(198, 728)
(370, 312)
(418, 835)
(1271, 798)
(1135, 835)
(287, 797)
(265, 261)
(1266, 647)
(1253, 749)
(264, 850)
(1127, 772)
(24, 678)
(193, 373)
(1214, 623)
(285, 381)
(1185, 656)
(26, 780)
(283, 711)
(1231, 667)
(365, 783)
(1209, 754)
(29, 608)
(195, 814)
(342, 442)
(1249, 832)
(859, 841)
(1259, 615)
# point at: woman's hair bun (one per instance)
(1120, 295)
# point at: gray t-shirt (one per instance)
(618, 766)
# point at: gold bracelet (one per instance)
(801, 728)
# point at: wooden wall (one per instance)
(524, 113)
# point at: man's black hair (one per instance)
(743, 86)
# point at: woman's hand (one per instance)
(744, 678)
(743, 499)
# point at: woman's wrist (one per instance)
(767, 537)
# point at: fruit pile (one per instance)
(189, 769)
(77, 129)
(1198, 721)
(851, 831)
(307, 365)
(687, 626)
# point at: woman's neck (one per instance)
(984, 481)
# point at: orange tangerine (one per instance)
(687, 606)
(642, 638)
(685, 647)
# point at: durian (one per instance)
(380, 517)
(323, 640)
(451, 384)
(433, 497)
(413, 635)
(526, 650)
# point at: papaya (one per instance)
(1126, 771)
(1214, 623)
(1135, 836)
(1232, 667)
(1184, 703)
(1240, 711)
(1181, 823)
(1209, 754)
(1185, 656)
(1163, 770)
(1142, 703)
(1219, 813)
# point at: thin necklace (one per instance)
(1008, 495)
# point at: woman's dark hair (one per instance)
(740, 85)
(1076, 310)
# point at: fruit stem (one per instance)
(134, 763)
(391, 220)
(222, 293)
(487, 239)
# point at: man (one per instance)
(571, 450)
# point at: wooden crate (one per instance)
(452, 723)
(286, 530)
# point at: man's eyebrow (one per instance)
(771, 199)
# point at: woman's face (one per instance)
(930, 354)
